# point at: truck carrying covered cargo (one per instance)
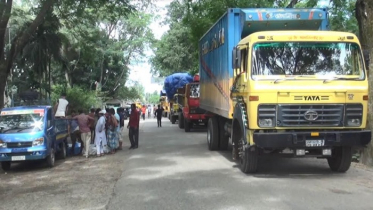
(279, 83)
(175, 81)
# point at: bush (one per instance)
(78, 97)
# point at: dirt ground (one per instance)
(78, 182)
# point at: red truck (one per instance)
(188, 99)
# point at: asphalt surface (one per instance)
(172, 169)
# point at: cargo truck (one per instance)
(279, 83)
(174, 111)
(191, 113)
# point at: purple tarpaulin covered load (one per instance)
(175, 81)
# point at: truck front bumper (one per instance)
(298, 139)
(22, 155)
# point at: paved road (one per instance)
(174, 170)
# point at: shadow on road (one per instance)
(269, 166)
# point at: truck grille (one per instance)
(297, 115)
(197, 111)
(18, 144)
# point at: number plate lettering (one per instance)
(17, 158)
(315, 143)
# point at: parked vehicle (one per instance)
(191, 114)
(31, 133)
(277, 81)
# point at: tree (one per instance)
(69, 10)
(364, 16)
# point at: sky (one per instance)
(141, 72)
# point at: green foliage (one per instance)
(153, 98)
(177, 50)
(78, 97)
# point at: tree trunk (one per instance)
(67, 77)
(18, 42)
(364, 16)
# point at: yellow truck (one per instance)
(279, 83)
(174, 109)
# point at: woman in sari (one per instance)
(112, 134)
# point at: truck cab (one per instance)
(31, 133)
(279, 82)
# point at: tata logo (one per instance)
(311, 98)
(311, 115)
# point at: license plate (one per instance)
(315, 143)
(17, 158)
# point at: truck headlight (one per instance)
(354, 122)
(266, 122)
(3, 144)
(267, 115)
(38, 142)
(353, 115)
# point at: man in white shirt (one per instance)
(61, 106)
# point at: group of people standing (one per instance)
(101, 127)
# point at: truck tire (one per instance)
(62, 152)
(341, 159)
(223, 138)
(51, 159)
(173, 119)
(6, 165)
(187, 125)
(181, 121)
(249, 159)
(213, 134)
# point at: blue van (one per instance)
(31, 133)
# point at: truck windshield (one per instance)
(194, 90)
(21, 123)
(322, 59)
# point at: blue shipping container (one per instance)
(215, 47)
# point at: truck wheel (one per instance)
(181, 121)
(341, 159)
(248, 158)
(51, 159)
(223, 138)
(187, 125)
(6, 165)
(213, 134)
(62, 153)
(173, 119)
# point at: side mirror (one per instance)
(366, 58)
(236, 58)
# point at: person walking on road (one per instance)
(100, 134)
(85, 131)
(143, 111)
(158, 113)
(133, 126)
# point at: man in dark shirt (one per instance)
(133, 126)
(158, 113)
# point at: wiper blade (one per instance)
(28, 127)
(13, 128)
(292, 77)
(340, 78)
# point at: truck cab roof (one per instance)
(26, 107)
(298, 35)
